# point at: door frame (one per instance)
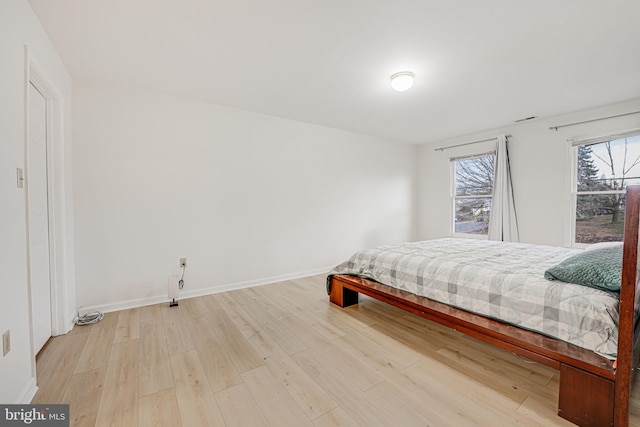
(36, 171)
(61, 321)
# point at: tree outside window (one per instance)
(472, 194)
(603, 172)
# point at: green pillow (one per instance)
(599, 268)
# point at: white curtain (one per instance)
(503, 223)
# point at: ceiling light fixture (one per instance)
(402, 81)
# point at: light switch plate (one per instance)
(6, 343)
(20, 177)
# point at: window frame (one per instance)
(574, 144)
(454, 197)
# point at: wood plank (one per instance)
(281, 332)
(345, 366)
(381, 308)
(216, 362)
(278, 304)
(196, 402)
(191, 308)
(119, 401)
(403, 410)
(177, 336)
(276, 404)
(97, 350)
(83, 395)
(410, 332)
(309, 396)
(492, 360)
(311, 322)
(238, 407)
(341, 318)
(310, 289)
(211, 302)
(155, 371)
(79, 329)
(52, 382)
(420, 389)
(128, 326)
(234, 310)
(355, 401)
(241, 353)
(435, 331)
(152, 313)
(47, 350)
(159, 409)
(335, 418)
(540, 407)
(264, 345)
(541, 404)
(376, 354)
(463, 399)
(515, 387)
(302, 332)
(245, 296)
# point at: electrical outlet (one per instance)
(183, 263)
(6, 343)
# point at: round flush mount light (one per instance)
(402, 81)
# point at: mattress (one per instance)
(503, 281)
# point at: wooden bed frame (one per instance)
(594, 391)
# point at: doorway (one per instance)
(38, 217)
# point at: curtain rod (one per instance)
(472, 156)
(592, 120)
(469, 143)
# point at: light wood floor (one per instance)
(281, 355)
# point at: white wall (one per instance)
(541, 168)
(246, 197)
(20, 27)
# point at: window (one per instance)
(603, 169)
(472, 192)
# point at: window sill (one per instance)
(470, 236)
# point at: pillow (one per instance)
(602, 245)
(598, 268)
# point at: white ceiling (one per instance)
(478, 64)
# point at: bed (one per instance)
(596, 366)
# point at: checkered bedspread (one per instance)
(504, 281)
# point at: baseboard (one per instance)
(28, 392)
(141, 302)
(251, 283)
(125, 305)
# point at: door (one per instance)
(38, 217)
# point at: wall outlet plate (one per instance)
(6, 343)
(183, 262)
